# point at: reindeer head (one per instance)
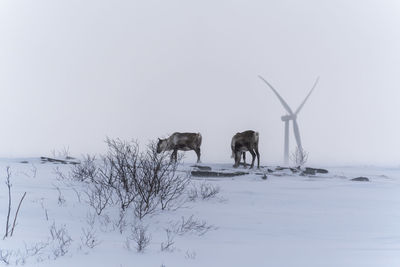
(161, 145)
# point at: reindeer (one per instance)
(242, 142)
(180, 141)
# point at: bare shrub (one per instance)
(20, 257)
(99, 196)
(140, 237)
(35, 249)
(160, 183)
(86, 170)
(10, 231)
(5, 256)
(168, 244)
(46, 214)
(34, 170)
(208, 191)
(16, 214)
(89, 238)
(145, 181)
(299, 157)
(192, 225)
(8, 183)
(62, 153)
(193, 193)
(120, 170)
(60, 200)
(190, 255)
(204, 191)
(60, 239)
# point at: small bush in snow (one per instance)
(168, 244)
(5, 256)
(86, 170)
(208, 191)
(143, 182)
(60, 239)
(89, 238)
(190, 255)
(140, 238)
(192, 225)
(9, 231)
(299, 157)
(204, 191)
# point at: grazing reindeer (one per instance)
(180, 141)
(242, 142)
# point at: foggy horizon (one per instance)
(73, 73)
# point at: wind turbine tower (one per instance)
(290, 116)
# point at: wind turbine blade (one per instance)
(284, 104)
(297, 134)
(302, 104)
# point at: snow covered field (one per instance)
(285, 220)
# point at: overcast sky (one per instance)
(74, 72)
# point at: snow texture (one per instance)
(284, 220)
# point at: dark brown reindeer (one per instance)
(180, 141)
(242, 142)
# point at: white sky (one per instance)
(74, 72)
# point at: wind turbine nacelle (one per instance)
(288, 117)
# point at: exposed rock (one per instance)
(308, 171)
(294, 170)
(201, 173)
(24, 161)
(203, 168)
(361, 179)
(56, 161)
(317, 170)
(279, 168)
(312, 171)
(270, 171)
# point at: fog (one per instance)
(74, 72)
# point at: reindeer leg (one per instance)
(237, 159)
(258, 157)
(198, 154)
(254, 157)
(244, 159)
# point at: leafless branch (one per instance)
(299, 157)
(16, 213)
(9, 185)
(140, 237)
(168, 244)
(191, 225)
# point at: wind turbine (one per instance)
(291, 116)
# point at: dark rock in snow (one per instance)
(317, 170)
(361, 179)
(216, 174)
(56, 161)
(308, 171)
(203, 168)
(293, 170)
(24, 161)
(312, 171)
(279, 168)
(270, 171)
